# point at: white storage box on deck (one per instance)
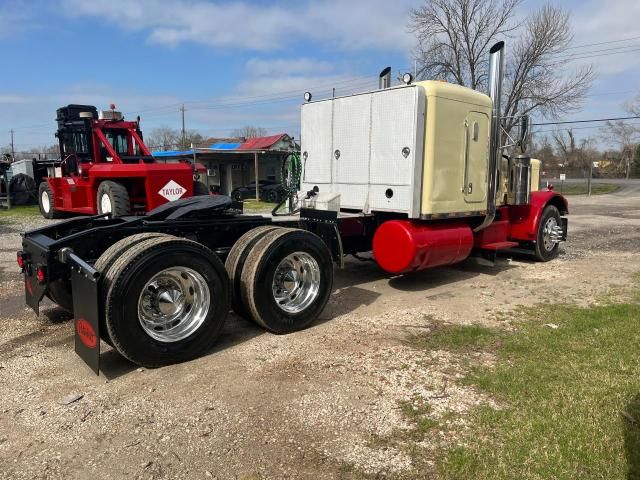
(323, 201)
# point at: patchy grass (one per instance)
(570, 397)
(20, 211)
(581, 188)
(417, 412)
(257, 205)
(456, 338)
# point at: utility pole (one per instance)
(184, 136)
(13, 152)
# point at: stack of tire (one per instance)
(23, 190)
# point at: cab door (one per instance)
(476, 157)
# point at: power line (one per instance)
(602, 43)
(571, 59)
(271, 95)
(621, 49)
(579, 128)
(585, 121)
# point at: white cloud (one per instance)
(260, 67)
(13, 98)
(17, 16)
(236, 25)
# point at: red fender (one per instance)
(525, 218)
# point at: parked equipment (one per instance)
(105, 167)
(415, 174)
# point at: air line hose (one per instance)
(291, 171)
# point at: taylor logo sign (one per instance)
(172, 191)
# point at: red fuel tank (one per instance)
(401, 246)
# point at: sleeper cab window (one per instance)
(476, 127)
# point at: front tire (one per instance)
(545, 248)
(113, 198)
(287, 280)
(46, 201)
(167, 301)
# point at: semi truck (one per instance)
(105, 167)
(417, 174)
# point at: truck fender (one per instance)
(525, 218)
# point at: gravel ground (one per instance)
(314, 404)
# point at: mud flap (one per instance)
(86, 318)
(33, 290)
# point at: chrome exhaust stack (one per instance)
(496, 67)
(384, 80)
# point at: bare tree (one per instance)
(624, 136)
(542, 149)
(191, 137)
(163, 138)
(580, 156)
(52, 149)
(453, 37)
(249, 131)
(633, 107)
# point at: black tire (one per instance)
(129, 275)
(106, 261)
(542, 252)
(272, 196)
(46, 208)
(118, 196)
(260, 269)
(199, 189)
(23, 189)
(59, 292)
(237, 196)
(235, 263)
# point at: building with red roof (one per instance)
(233, 163)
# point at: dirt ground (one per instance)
(314, 404)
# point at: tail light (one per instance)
(20, 260)
(41, 274)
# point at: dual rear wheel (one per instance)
(165, 299)
(281, 277)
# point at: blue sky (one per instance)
(235, 63)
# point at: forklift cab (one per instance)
(87, 138)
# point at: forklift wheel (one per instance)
(167, 301)
(235, 262)
(200, 188)
(106, 261)
(287, 279)
(45, 201)
(237, 196)
(113, 198)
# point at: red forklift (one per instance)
(105, 167)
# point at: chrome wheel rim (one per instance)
(105, 203)
(173, 304)
(46, 203)
(548, 234)
(296, 282)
